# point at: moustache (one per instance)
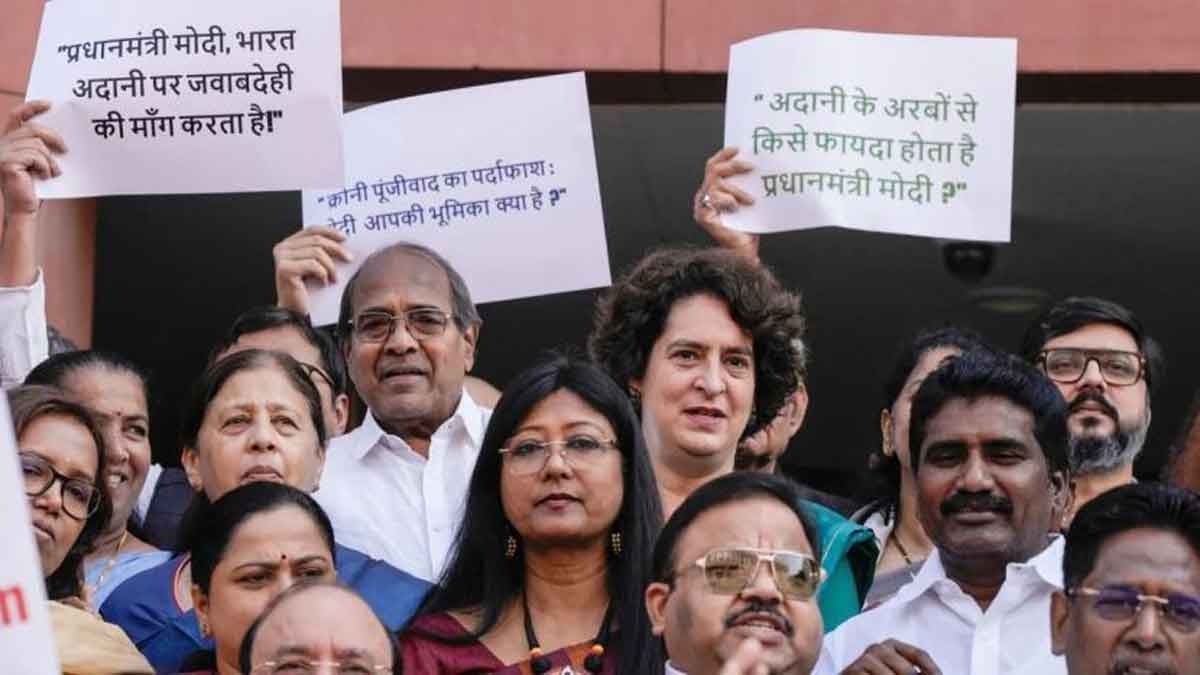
(760, 607)
(1124, 664)
(966, 501)
(1089, 396)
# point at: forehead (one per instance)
(108, 390)
(929, 362)
(755, 522)
(291, 624)
(1095, 336)
(980, 420)
(270, 535)
(286, 339)
(261, 384)
(63, 442)
(564, 408)
(397, 280)
(1143, 556)
(703, 318)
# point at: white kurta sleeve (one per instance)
(23, 339)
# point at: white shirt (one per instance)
(672, 670)
(23, 339)
(389, 502)
(933, 613)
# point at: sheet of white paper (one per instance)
(500, 179)
(176, 97)
(889, 133)
(26, 641)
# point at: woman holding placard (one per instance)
(891, 515)
(706, 343)
(61, 450)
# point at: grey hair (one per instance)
(465, 313)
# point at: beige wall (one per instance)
(673, 36)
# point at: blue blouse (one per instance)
(125, 567)
(144, 606)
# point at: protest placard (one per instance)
(182, 97)
(26, 641)
(889, 133)
(500, 179)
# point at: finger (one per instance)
(739, 194)
(745, 659)
(305, 236)
(867, 664)
(733, 168)
(325, 231)
(30, 161)
(317, 253)
(893, 662)
(306, 269)
(723, 201)
(50, 137)
(722, 155)
(23, 113)
(313, 248)
(28, 147)
(333, 248)
(916, 657)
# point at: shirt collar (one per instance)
(468, 414)
(672, 670)
(1047, 565)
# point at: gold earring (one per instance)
(615, 540)
(510, 549)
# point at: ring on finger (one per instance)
(706, 201)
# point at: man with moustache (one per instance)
(1131, 568)
(735, 575)
(1105, 365)
(988, 435)
(395, 487)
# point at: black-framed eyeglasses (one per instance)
(1068, 364)
(80, 498)
(311, 370)
(378, 326)
(1122, 603)
(529, 456)
(728, 571)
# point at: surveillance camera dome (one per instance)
(968, 261)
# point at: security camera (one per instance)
(968, 261)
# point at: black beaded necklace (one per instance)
(540, 664)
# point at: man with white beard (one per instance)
(1098, 355)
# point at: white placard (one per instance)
(26, 640)
(500, 179)
(180, 97)
(889, 133)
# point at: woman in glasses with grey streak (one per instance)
(61, 452)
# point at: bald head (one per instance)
(318, 623)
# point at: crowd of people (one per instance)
(621, 510)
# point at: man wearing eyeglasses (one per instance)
(1131, 569)
(988, 435)
(1105, 365)
(735, 577)
(318, 627)
(394, 488)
